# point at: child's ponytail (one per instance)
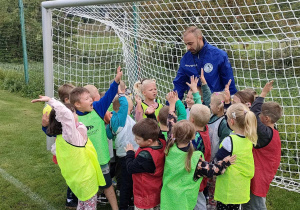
(183, 132)
(170, 143)
(137, 88)
(188, 158)
(245, 119)
(251, 126)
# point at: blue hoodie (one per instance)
(216, 66)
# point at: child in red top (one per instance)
(146, 164)
(267, 152)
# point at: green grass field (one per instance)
(29, 179)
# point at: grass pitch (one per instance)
(29, 179)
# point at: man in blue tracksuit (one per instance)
(215, 63)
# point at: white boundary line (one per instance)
(25, 189)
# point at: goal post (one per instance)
(86, 40)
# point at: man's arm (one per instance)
(226, 74)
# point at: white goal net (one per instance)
(260, 37)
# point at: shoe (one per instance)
(102, 200)
(71, 205)
(118, 193)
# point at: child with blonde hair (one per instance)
(184, 168)
(146, 89)
(199, 116)
(233, 188)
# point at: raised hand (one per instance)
(119, 75)
(41, 99)
(138, 99)
(202, 78)
(193, 84)
(268, 87)
(45, 119)
(227, 92)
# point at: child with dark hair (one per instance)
(73, 145)
(267, 152)
(146, 164)
(162, 119)
(64, 96)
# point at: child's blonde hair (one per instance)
(183, 132)
(218, 98)
(201, 114)
(139, 86)
(245, 119)
(130, 104)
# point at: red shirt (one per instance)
(207, 152)
(147, 186)
(266, 162)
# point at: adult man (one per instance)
(217, 68)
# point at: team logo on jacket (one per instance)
(208, 67)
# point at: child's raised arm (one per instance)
(267, 88)
(71, 132)
(194, 89)
(205, 89)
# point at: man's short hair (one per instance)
(64, 91)
(76, 93)
(193, 29)
(201, 114)
(163, 115)
(147, 129)
(272, 110)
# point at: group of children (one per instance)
(217, 153)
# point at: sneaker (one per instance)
(102, 200)
(118, 193)
(71, 205)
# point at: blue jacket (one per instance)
(103, 104)
(216, 66)
(118, 119)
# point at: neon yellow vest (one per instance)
(165, 133)
(233, 187)
(47, 109)
(145, 106)
(97, 134)
(80, 168)
(179, 190)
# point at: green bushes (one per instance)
(13, 81)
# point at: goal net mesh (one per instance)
(261, 38)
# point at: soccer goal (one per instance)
(86, 40)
